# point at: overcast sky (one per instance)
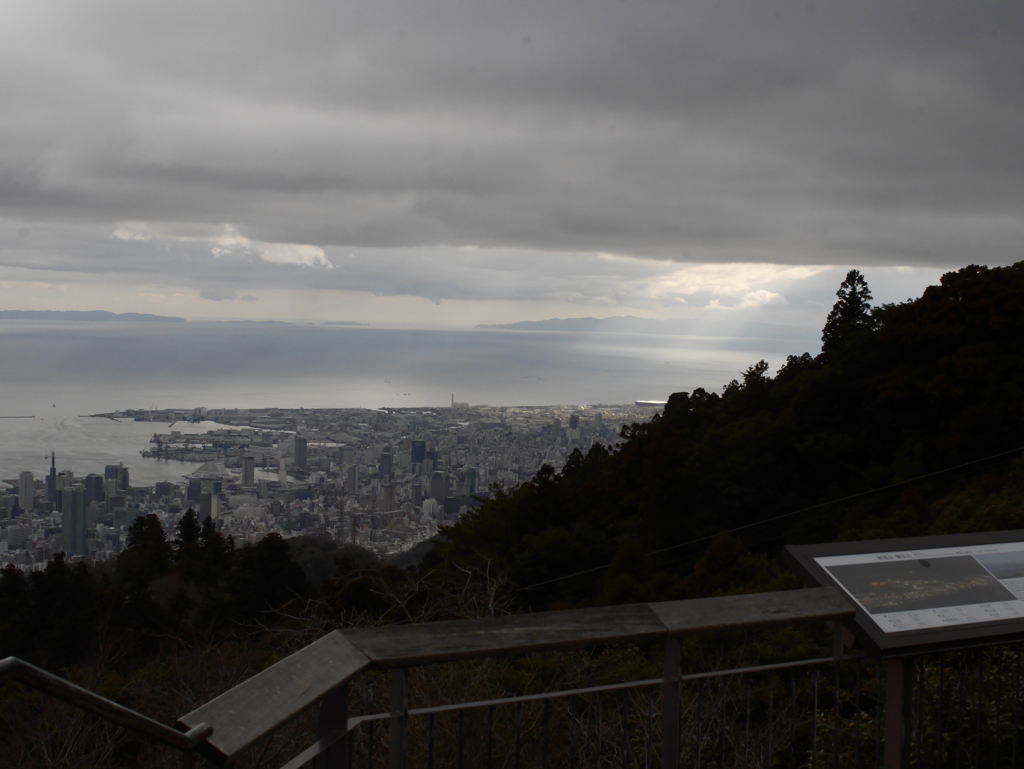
(466, 161)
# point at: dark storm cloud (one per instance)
(844, 133)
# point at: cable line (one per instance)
(786, 515)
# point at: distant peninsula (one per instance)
(89, 315)
(341, 323)
(630, 324)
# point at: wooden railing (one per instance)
(321, 672)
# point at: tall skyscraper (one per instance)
(118, 474)
(26, 490)
(51, 480)
(439, 485)
(300, 451)
(419, 451)
(386, 500)
(248, 471)
(93, 489)
(73, 519)
(386, 464)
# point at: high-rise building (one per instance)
(73, 519)
(300, 451)
(209, 506)
(352, 481)
(386, 499)
(117, 473)
(51, 480)
(574, 421)
(248, 471)
(386, 464)
(26, 490)
(93, 489)
(439, 485)
(419, 451)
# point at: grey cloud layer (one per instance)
(844, 133)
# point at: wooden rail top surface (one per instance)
(405, 645)
(261, 704)
(736, 612)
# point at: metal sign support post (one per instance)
(898, 678)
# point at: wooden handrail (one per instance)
(40, 680)
(261, 704)
(399, 646)
(257, 706)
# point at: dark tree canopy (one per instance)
(851, 313)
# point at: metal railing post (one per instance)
(898, 681)
(670, 704)
(333, 722)
(397, 724)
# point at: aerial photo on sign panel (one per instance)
(913, 585)
(1004, 565)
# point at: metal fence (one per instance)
(959, 708)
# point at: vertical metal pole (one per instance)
(977, 707)
(919, 721)
(940, 742)
(670, 704)
(397, 724)
(999, 702)
(650, 735)
(547, 734)
(1016, 710)
(430, 742)
(857, 716)
(746, 727)
(462, 734)
(333, 722)
(519, 731)
(490, 736)
(898, 685)
(700, 720)
(814, 723)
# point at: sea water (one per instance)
(60, 372)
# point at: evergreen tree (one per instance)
(851, 314)
(188, 554)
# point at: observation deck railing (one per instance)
(839, 710)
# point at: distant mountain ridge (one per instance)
(630, 324)
(87, 315)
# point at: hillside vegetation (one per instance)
(898, 392)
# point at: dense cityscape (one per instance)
(381, 479)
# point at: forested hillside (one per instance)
(899, 398)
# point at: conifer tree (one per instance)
(852, 313)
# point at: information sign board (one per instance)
(924, 591)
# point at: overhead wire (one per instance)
(783, 516)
